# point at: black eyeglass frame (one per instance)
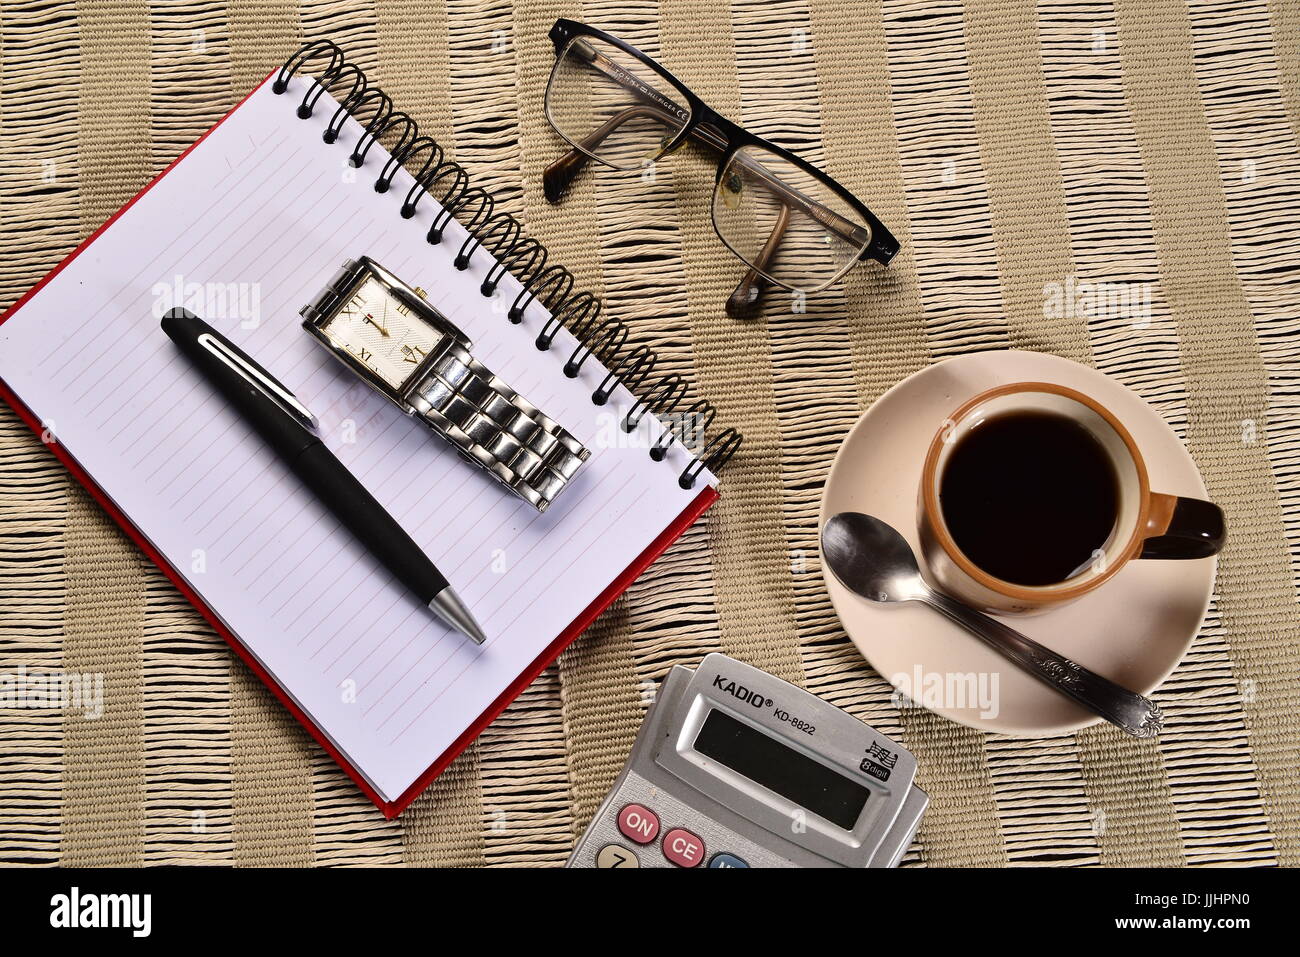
(727, 137)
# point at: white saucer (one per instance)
(1134, 630)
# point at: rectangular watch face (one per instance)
(381, 333)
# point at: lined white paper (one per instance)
(245, 230)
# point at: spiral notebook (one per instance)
(243, 229)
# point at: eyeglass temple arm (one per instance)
(744, 299)
(559, 175)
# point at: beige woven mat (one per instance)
(1008, 144)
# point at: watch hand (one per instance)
(371, 319)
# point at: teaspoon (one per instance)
(872, 559)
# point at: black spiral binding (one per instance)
(501, 234)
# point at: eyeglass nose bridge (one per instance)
(706, 130)
(673, 146)
(715, 132)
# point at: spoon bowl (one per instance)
(871, 558)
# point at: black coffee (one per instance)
(1029, 497)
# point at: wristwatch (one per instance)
(406, 350)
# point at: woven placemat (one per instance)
(1014, 147)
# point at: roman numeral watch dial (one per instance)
(381, 333)
(401, 346)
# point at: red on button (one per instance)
(683, 848)
(638, 823)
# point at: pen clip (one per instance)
(259, 378)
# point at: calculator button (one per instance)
(611, 855)
(727, 860)
(683, 848)
(638, 823)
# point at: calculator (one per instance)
(735, 767)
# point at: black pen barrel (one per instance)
(365, 518)
(304, 453)
(285, 434)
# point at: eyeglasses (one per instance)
(793, 225)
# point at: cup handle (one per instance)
(1180, 527)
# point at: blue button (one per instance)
(727, 860)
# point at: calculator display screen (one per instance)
(788, 772)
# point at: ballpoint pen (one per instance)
(290, 429)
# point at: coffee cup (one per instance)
(1033, 495)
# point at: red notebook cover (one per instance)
(707, 496)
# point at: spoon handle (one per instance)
(1137, 715)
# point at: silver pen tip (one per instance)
(448, 606)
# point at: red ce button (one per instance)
(683, 848)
